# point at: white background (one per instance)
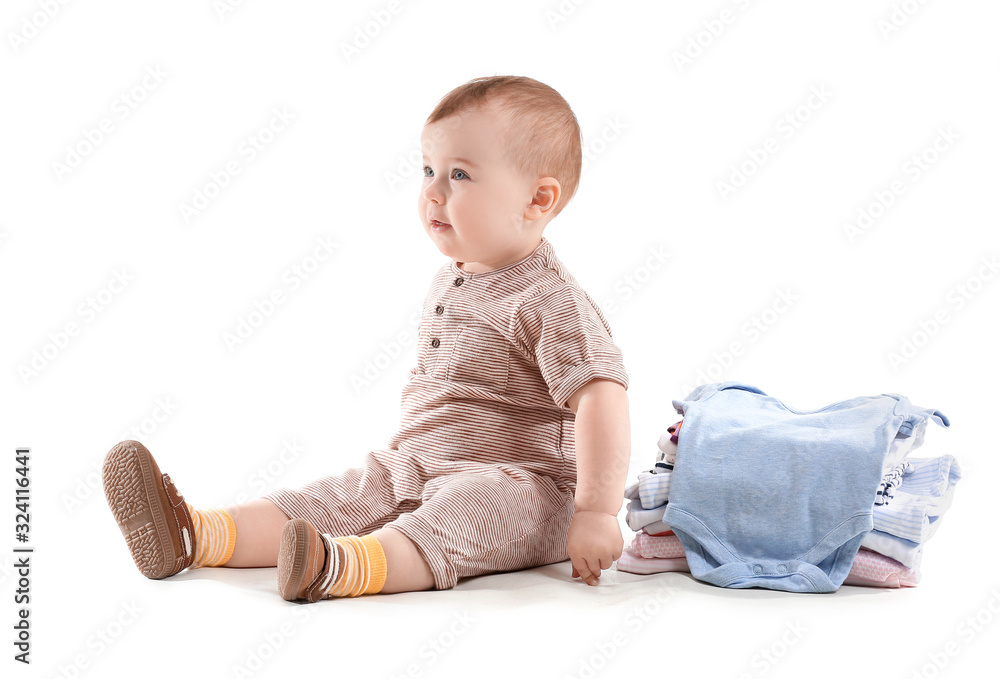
(153, 363)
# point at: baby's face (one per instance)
(471, 203)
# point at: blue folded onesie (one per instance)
(763, 495)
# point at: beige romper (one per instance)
(481, 473)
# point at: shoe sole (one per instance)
(134, 488)
(292, 557)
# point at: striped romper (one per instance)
(482, 471)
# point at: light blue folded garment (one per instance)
(763, 495)
(651, 490)
(636, 517)
(922, 497)
(905, 552)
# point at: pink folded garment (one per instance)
(654, 547)
(630, 562)
(870, 569)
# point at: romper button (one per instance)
(757, 569)
(782, 568)
(439, 310)
(459, 281)
(435, 342)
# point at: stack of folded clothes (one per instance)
(912, 498)
(909, 502)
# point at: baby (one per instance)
(514, 443)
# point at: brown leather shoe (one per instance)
(303, 562)
(150, 511)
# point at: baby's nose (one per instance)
(432, 195)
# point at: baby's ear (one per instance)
(546, 197)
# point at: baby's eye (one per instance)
(428, 170)
(459, 172)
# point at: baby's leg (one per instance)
(258, 534)
(406, 570)
(166, 535)
(258, 538)
(491, 520)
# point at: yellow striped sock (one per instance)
(214, 536)
(362, 569)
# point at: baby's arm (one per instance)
(603, 448)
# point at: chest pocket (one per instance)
(480, 356)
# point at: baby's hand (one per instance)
(594, 543)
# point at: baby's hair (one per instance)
(542, 133)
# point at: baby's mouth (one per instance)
(439, 225)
